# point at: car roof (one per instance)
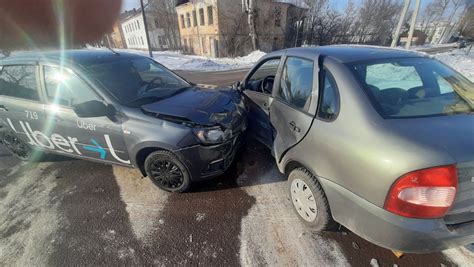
(351, 53)
(83, 57)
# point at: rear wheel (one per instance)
(16, 146)
(309, 200)
(167, 172)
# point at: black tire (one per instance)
(17, 147)
(323, 219)
(167, 172)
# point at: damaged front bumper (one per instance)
(205, 162)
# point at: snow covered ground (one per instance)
(177, 61)
(459, 61)
(174, 60)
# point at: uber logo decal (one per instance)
(68, 145)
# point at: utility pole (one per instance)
(412, 25)
(400, 23)
(146, 29)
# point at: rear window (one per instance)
(414, 87)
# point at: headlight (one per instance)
(214, 135)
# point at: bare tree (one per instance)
(376, 20)
(466, 24)
(251, 10)
(164, 14)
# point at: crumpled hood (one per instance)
(201, 106)
(453, 134)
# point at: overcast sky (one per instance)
(130, 4)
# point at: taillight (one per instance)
(427, 193)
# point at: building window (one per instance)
(195, 21)
(182, 22)
(188, 20)
(204, 46)
(141, 38)
(210, 16)
(201, 16)
(138, 24)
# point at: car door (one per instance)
(21, 109)
(97, 138)
(295, 101)
(258, 87)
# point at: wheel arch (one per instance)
(293, 164)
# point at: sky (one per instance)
(130, 4)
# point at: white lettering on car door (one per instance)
(66, 144)
(112, 151)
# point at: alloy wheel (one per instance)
(167, 173)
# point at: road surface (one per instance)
(61, 211)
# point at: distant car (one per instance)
(120, 109)
(378, 140)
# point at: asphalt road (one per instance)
(60, 211)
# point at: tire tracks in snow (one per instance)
(271, 233)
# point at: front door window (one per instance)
(262, 79)
(64, 88)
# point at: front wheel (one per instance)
(167, 172)
(309, 200)
(16, 146)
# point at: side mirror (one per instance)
(94, 108)
(237, 86)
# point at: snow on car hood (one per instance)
(201, 106)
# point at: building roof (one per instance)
(354, 53)
(296, 3)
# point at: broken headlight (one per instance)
(212, 136)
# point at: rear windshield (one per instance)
(415, 87)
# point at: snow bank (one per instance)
(459, 61)
(175, 60)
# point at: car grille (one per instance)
(463, 207)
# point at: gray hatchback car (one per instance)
(121, 109)
(379, 140)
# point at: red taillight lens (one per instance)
(427, 193)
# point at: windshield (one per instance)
(415, 87)
(137, 80)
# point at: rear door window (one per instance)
(19, 81)
(296, 82)
(329, 105)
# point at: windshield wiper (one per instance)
(144, 100)
(154, 98)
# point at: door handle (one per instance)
(294, 127)
(3, 108)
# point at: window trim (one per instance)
(277, 95)
(321, 75)
(45, 94)
(38, 83)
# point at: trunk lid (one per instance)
(455, 135)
